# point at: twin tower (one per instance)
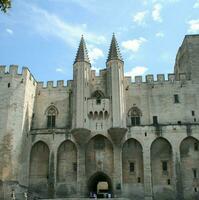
(110, 84)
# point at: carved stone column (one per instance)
(117, 135)
(51, 176)
(147, 173)
(177, 176)
(81, 136)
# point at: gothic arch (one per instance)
(67, 162)
(99, 155)
(189, 154)
(53, 108)
(99, 177)
(66, 169)
(134, 116)
(51, 113)
(39, 167)
(132, 168)
(162, 168)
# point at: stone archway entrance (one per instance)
(100, 184)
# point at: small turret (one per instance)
(82, 53)
(81, 86)
(115, 84)
(114, 52)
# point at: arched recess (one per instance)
(189, 154)
(39, 168)
(132, 168)
(66, 169)
(100, 179)
(99, 156)
(162, 169)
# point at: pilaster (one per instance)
(81, 171)
(117, 135)
(177, 177)
(81, 136)
(147, 173)
(117, 175)
(51, 176)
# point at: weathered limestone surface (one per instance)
(60, 141)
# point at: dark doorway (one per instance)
(100, 184)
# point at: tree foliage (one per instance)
(5, 5)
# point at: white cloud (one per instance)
(144, 2)
(139, 18)
(48, 24)
(60, 70)
(136, 71)
(196, 5)
(159, 34)
(156, 12)
(165, 1)
(94, 54)
(133, 45)
(9, 31)
(193, 26)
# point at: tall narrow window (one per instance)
(139, 180)
(134, 115)
(131, 167)
(195, 173)
(176, 98)
(155, 120)
(164, 166)
(75, 167)
(51, 117)
(196, 146)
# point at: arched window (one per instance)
(51, 116)
(134, 115)
(98, 95)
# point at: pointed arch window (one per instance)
(51, 116)
(134, 116)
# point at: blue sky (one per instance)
(44, 34)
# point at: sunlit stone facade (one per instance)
(139, 140)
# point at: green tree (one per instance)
(5, 5)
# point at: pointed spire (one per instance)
(82, 53)
(114, 52)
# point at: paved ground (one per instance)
(88, 199)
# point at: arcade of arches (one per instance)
(100, 170)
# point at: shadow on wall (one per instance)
(66, 190)
(165, 194)
(1, 189)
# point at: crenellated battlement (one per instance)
(160, 79)
(13, 70)
(102, 72)
(53, 85)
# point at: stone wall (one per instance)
(90, 141)
(17, 95)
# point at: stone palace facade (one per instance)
(139, 140)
